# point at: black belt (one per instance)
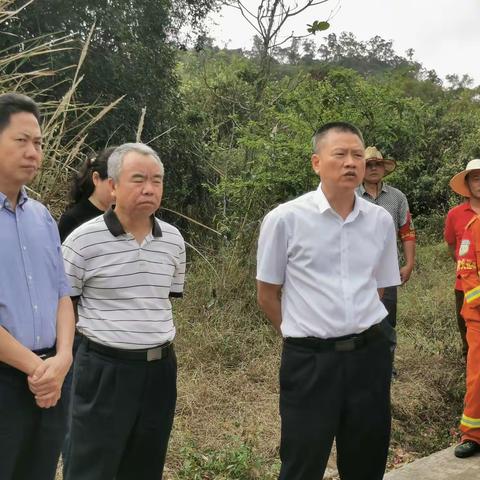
(146, 354)
(339, 344)
(46, 352)
(43, 353)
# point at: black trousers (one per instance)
(30, 437)
(68, 387)
(389, 300)
(342, 395)
(462, 327)
(122, 415)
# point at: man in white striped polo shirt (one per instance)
(123, 267)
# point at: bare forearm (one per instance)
(65, 326)
(47, 380)
(409, 253)
(269, 300)
(15, 354)
(273, 312)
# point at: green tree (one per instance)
(269, 20)
(132, 54)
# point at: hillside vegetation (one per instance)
(235, 140)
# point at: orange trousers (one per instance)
(470, 422)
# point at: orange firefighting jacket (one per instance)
(468, 265)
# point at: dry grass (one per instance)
(227, 423)
(229, 358)
(228, 363)
(428, 395)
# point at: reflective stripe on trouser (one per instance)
(470, 422)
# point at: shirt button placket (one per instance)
(28, 275)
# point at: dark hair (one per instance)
(339, 126)
(11, 103)
(82, 183)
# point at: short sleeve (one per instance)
(406, 230)
(63, 284)
(178, 281)
(387, 273)
(272, 252)
(74, 264)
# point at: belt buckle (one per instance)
(45, 355)
(154, 354)
(345, 345)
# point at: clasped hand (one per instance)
(46, 381)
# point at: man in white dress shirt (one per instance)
(323, 260)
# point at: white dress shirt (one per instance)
(330, 268)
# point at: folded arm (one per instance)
(269, 300)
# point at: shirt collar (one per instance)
(362, 191)
(22, 198)
(116, 229)
(467, 206)
(324, 205)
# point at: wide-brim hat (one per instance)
(372, 153)
(458, 183)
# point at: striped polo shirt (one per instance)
(124, 287)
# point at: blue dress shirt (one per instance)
(32, 276)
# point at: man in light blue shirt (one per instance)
(36, 314)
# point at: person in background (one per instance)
(375, 190)
(467, 184)
(36, 314)
(90, 195)
(322, 262)
(457, 219)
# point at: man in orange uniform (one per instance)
(455, 223)
(468, 270)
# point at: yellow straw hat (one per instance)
(372, 153)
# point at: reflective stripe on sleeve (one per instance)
(472, 294)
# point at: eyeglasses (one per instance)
(375, 164)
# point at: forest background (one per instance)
(233, 129)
